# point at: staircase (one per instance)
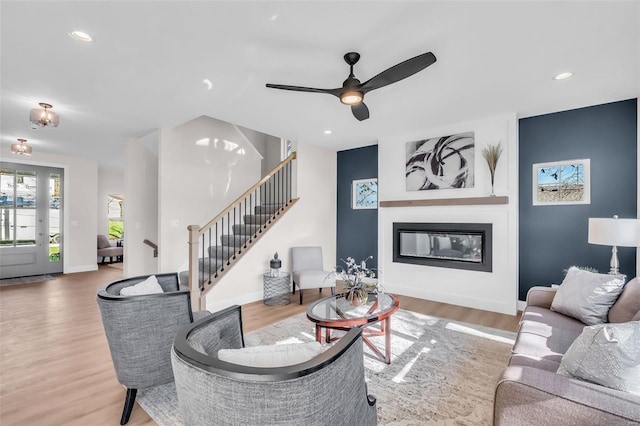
(218, 246)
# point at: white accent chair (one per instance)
(308, 270)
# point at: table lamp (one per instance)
(614, 232)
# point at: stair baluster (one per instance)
(253, 213)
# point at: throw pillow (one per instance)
(627, 307)
(606, 354)
(148, 286)
(587, 296)
(271, 355)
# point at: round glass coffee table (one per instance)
(335, 313)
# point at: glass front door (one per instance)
(30, 220)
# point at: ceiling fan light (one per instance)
(44, 117)
(351, 97)
(21, 147)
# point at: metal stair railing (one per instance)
(217, 246)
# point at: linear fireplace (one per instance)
(447, 245)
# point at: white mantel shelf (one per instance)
(469, 201)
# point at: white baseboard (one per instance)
(82, 268)
(454, 299)
(214, 306)
(521, 305)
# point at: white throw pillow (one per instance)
(606, 354)
(587, 296)
(148, 286)
(271, 355)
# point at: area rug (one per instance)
(25, 280)
(442, 372)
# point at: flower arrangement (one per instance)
(492, 154)
(357, 280)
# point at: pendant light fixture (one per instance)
(21, 147)
(44, 117)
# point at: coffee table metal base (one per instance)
(385, 330)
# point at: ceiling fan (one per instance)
(352, 91)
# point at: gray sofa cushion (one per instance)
(539, 340)
(553, 319)
(627, 307)
(519, 360)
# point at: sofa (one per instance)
(531, 392)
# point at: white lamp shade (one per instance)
(44, 117)
(614, 232)
(21, 148)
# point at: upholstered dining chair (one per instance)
(140, 330)
(327, 389)
(308, 270)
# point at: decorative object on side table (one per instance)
(492, 154)
(274, 265)
(357, 280)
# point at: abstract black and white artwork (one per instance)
(440, 163)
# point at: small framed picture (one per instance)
(365, 194)
(562, 182)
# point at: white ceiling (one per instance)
(146, 66)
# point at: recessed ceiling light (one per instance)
(82, 36)
(208, 83)
(327, 132)
(563, 76)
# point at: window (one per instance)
(116, 216)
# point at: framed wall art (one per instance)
(365, 194)
(562, 182)
(440, 163)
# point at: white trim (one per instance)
(521, 304)
(452, 299)
(82, 268)
(240, 300)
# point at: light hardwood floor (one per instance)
(55, 366)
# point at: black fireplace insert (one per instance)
(448, 245)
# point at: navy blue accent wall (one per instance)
(552, 238)
(357, 229)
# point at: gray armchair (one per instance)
(328, 389)
(140, 331)
(105, 249)
(308, 270)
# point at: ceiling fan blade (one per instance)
(334, 92)
(360, 111)
(399, 72)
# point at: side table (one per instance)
(276, 289)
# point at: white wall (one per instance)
(268, 146)
(109, 182)
(141, 205)
(196, 182)
(79, 207)
(311, 221)
(493, 291)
